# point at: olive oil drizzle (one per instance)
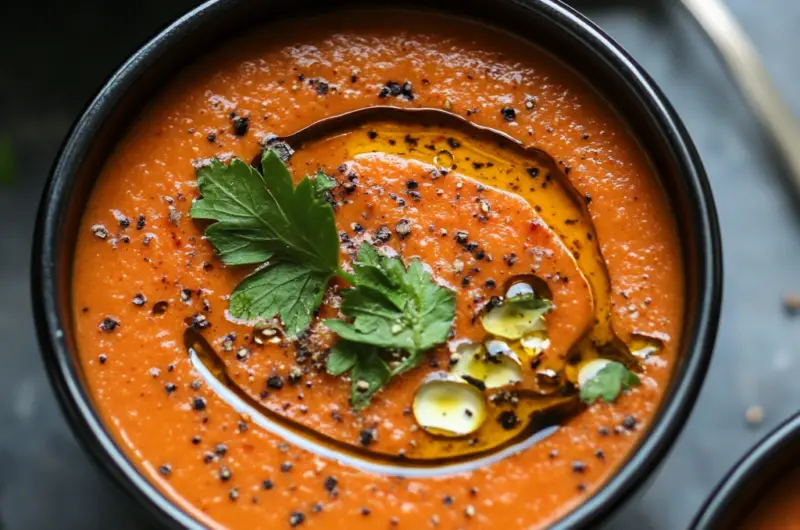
(545, 416)
(493, 159)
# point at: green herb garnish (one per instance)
(368, 369)
(262, 218)
(608, 383)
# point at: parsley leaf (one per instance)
(369, 372)
(372, 370)
(262, 216)
(394, 307)
(343, 357)
(289, 290)
(608, 383)
(321, 184)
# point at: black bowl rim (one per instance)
(736, 483)
(674, 410)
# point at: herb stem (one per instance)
(344, 275)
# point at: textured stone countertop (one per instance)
(56, 54)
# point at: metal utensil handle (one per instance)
(754, 81)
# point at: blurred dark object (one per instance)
(55, 56)
(7, 172)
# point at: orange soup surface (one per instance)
(191, 392)
(779, 508)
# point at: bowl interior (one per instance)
(552, 26)
(740, 492)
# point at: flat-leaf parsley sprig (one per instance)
(290, 231)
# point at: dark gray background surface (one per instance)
(56, 54)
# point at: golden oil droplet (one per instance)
(444, 159)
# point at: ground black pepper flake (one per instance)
(390, 89)
(447, 500)
(122, 219)
(240, 125)
(383, 234)
(322, 87)
(604, 431)
(199, 403)
(165, 470)
(233, 494)
(629, 422)
(141, 222)
(102, 358)
(108, 325)
(366, 437)
(365, 511)
(287, 466)
(196, 440)
(393, 88)
(225, 473)
(139, 300)
(331, 484)
(372, 135)
(508, 420)
(474, 381)
(508, 113)
(160, 307)
(453, 143)
(170, 388)
(403, 228)
(275, 382)
(599, 454)
(578, 466)
(296, 519)
(199, 321)
(267, 485)
(221, 449)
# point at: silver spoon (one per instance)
(755, 83)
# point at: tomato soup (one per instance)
(779, 507)
(463, 317)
